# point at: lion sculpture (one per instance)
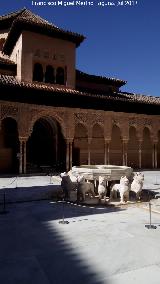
(102, 188)
(67, 185)
(137, 184)
(122, 188)
(83, 188)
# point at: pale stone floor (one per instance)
(99, 245)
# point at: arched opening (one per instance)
(80, 145)
(60, 76)
(158, 150)
(38, 72)
(97, 145)
(132, 157)
(116, 147)
(2, 41)
(9, 146)
(49, 75)
(46, 147)
(146, 149)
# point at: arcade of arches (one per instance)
(66, 139)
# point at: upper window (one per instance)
(38, 72)
(49, 75)
(60, 76)
(2, 41)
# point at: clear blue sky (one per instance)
(121, 42)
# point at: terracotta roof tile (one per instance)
(25, 19)
(125, 97)
(5, 60)
(95, 78)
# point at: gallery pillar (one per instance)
(106, 151)
(89, 150)
(67, 154)
(140, 153)
(154, 155)
(22, 155)
(124, 152)
(70, 154)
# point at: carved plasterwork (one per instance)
(81, 117)
(9, 111)
(36, 114)
(96, 118)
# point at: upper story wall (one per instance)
(3, 36)
(42, 49)
(16, 56)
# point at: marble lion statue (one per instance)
(102, 188)
(122, 188)
(137, 184)
(83, 188)
(67, 184)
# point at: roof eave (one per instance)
(18, 26)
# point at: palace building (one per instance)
(55, 116)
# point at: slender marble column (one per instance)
(21, 157)
(67, 154)
(89, 150)
(70, 154)
(124, 152)
(108, 152)
(140, 154)
(105, 152)
(24, 157)
(155, 155)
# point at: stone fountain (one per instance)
(110, 172)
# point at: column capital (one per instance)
(89, 140)
(155, 141)
(69, 140)
(23, 139)
(107, 140)
(125, 140)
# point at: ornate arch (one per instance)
(47, 115)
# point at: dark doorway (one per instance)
(9, 146)
(46, 146)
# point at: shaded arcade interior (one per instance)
(46, 148)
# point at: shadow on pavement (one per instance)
(33, 250)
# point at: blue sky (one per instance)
(121, 41)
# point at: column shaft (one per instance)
(67, 155)
(24, 157)
(70, 154)
(140, 154)
(21, 157)
(89, 151)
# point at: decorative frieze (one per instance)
(9, 111)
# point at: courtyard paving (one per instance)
(99, 245)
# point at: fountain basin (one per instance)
(110, 172)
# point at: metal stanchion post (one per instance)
(63, 221)
(150, 226)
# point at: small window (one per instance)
(2, 41)
(60, 76)
(38, 72)
(49, 75)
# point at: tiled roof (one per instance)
(5, 60)
(102, 79)
(140, 98)
(23, 13)
(11, 81)
(25, 19)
